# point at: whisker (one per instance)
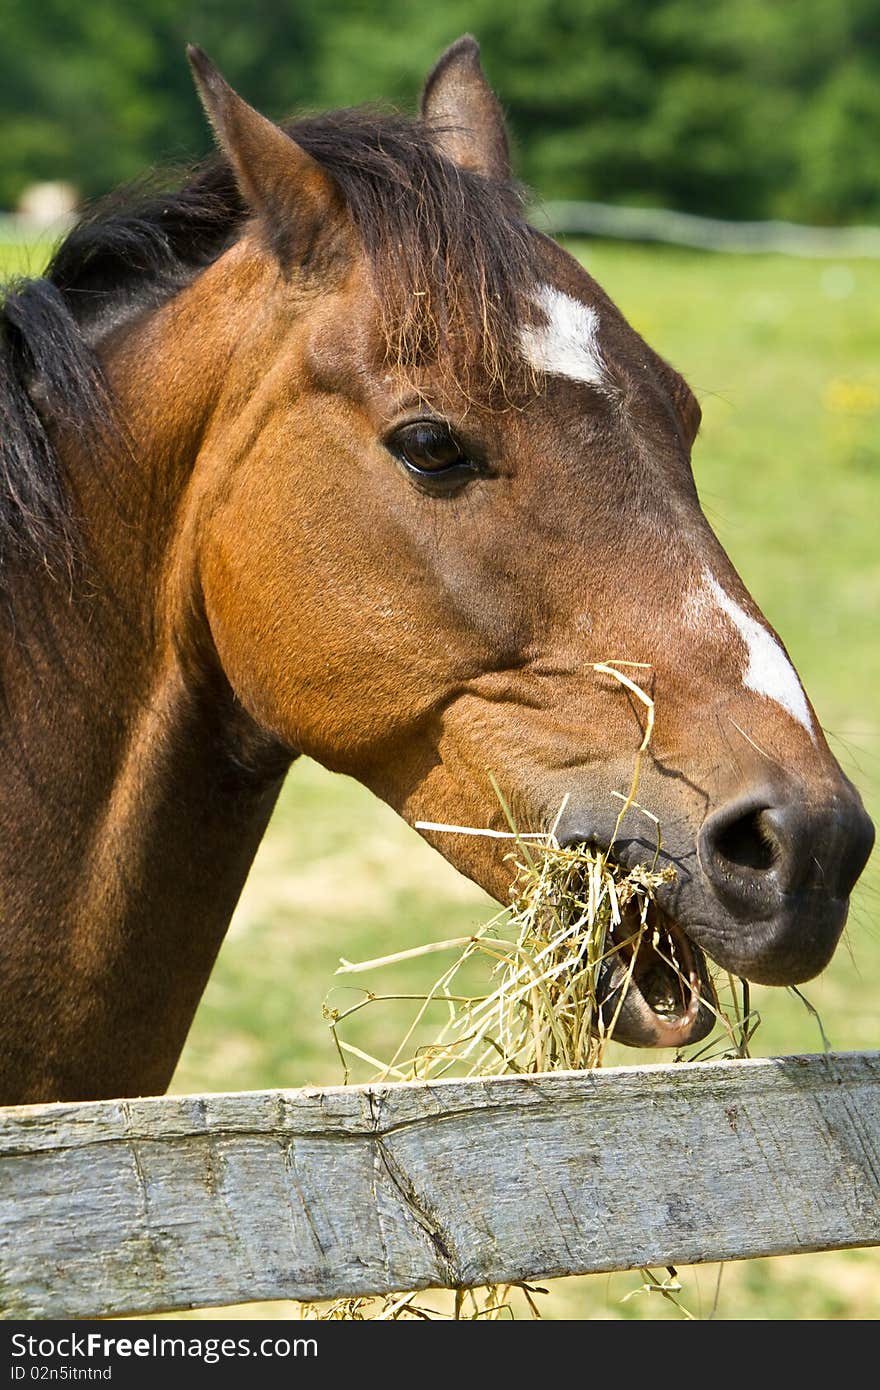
(757, 747)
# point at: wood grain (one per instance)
(143, 1205)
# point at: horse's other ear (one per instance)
(465, 113)
(278, 180)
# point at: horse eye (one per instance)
(430, 450)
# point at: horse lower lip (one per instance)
(669, 1000)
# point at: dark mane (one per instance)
(450, 254)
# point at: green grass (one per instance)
(21, 257)
(785, 358)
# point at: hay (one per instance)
(490, 1304)
(545, 1011)
(542, 1008)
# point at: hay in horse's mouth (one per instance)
(656, 990)
(584, 954)
(621, 959)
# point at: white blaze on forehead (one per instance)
(769, 671)
(567, 344)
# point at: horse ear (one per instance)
(292, 194)
(465, 113)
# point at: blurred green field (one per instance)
(785, 358)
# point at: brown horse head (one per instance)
(470, 485)
(398, 479)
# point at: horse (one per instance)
(326, 451)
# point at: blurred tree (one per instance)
(753, 108)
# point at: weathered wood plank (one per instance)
(141, 1205)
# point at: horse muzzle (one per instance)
(765, 894)
(779, 873)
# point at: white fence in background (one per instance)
(705, 233)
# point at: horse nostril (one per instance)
(746, 842)
(759, 850)
(750, 851)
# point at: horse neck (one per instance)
(133, 789)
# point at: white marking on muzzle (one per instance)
(769, 672)
(568, 344)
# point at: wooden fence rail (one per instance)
(134, 1206)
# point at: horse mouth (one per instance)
(656, 990)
